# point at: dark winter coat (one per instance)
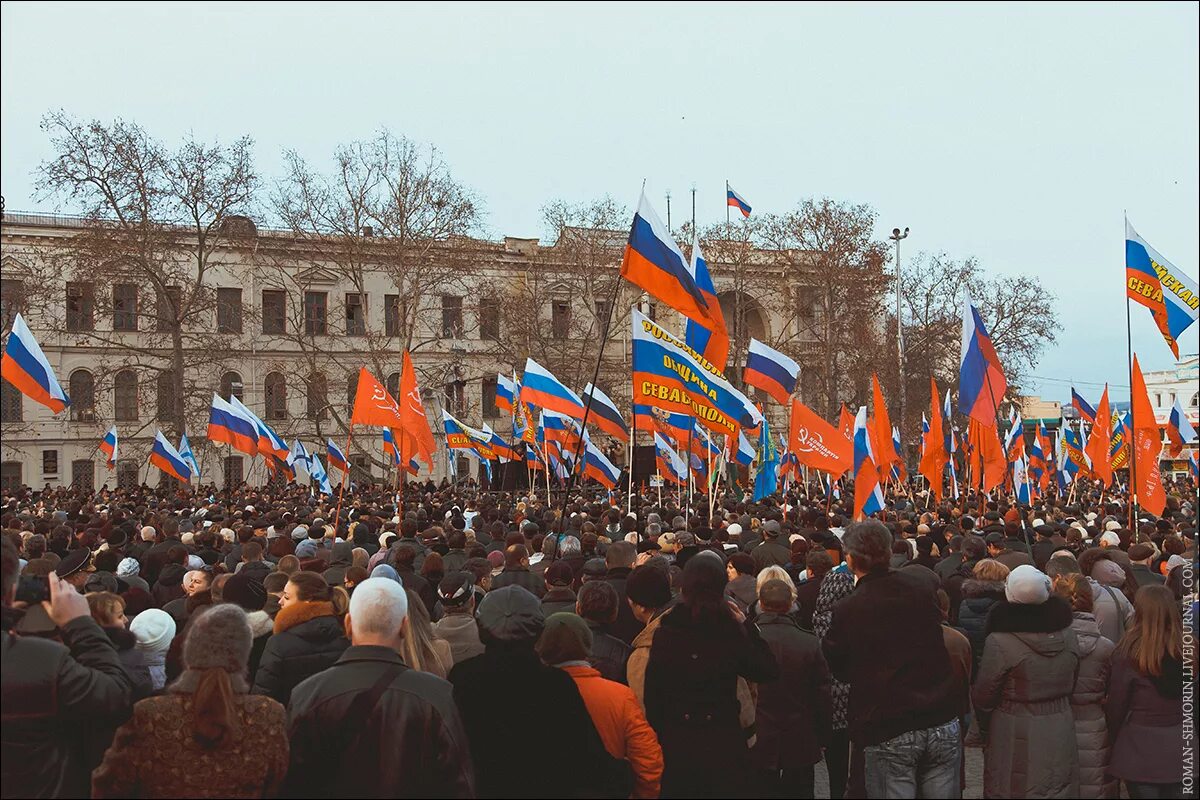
(1022, 695)
(793, 712)
(834, 587)
(953, 585)
(978, 599)
(626, 627)
(1087, 706)
(691, 698)
(307, 639)
(806, 601)
(1145, 722)
(560, 598)
(743, 590)
(340, 560)
(609, 655)
(771, 553)
(1145, 576)
(522, 577)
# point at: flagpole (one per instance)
(687, 516)
(632, 442)
(342, 488)
(587, 406)
(1132, 421)
(726, 208)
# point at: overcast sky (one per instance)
(1015, 134)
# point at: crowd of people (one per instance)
(444, 641)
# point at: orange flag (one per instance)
(846, 423)
(416, 430)
(933, 457)
(1147, 446)
(885, 451)
(1100, 442)
(817, 443)
(990, 454)
(373, 405)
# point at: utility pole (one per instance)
(896, 237)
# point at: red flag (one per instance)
(373, 405)
(881, 429)
(415, 428)
(1100, 441)
(1147, 446)
(988, 455)
(817, 443)
(934, 457)
(846, 423)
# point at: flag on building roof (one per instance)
(770, 370)
(1085, 409)
(670, 465)
(25, 366)
(605, 415)
(108, 446)
(1147, 447)
(868, 494)
(735, 200)
(654, 262)
(189, 458)
(540, 388)
(336, 457)
(506, 392)
(1170, 294)
(710, 341)
(229, 425)
(167, 459)
(1179, 430)
(981, 383)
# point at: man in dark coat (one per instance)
(370, 726)
(404, 558)
(1140, 557)
(619, 562)
(771, 552)
(974, 550)
(794, 713)
(597, 604)
(886, 641)
(51, 690)
(516, 572)
(817, 566)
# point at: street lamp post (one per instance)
(896, 237)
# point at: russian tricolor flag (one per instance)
(710, 341)
(1085, 409)
(868, 495)
(269, 442)
(745, 451)
(596, 465)
(605, 415)
(670, 465)
(1179, 430)
(24, 365)
(735, 200)
(1195, 466)
(389, 447)
(229, 425)
(336, 457)
(540, 388)
(108, 446)
(501, 448)
(167, 459)
(981, 382)
(771, 371)
(506, 394)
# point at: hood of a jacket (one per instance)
(121, 638)
(1087, 632)
(1040, 626)
(342, 555)
(171, 575)
(973, 588)
(303, 611)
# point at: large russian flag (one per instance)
(735, 200)
(540, 388)
(108, 446)
(506, 393)
(868, 495)
(981, 382)
(24, 365)
(605, 415)
(1154, 282)
(770, 370)
(167, 458)
(336, 457)
(596, 465)
(673, 425)
(656, 264)
(227, 424)
(269, 442)
(710, 341)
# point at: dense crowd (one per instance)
(444, 641)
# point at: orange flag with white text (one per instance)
(1147, 446)
(373, 405)
(1100, 442)
(818, 444)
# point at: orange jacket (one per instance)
(622, 726)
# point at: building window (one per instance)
(231, 386)
(463, 466)
(276, 396)
(356, 315)
(12, 299)
(560, 319)
(81, 306)
(455, 394)
(489, 319)
(232, 472)
(452, 319)
(229, 310)
(168, 310)
(351, 391)
(393, 385)
(82, 390)
(393, 318)
(489, 399)
(603, 310)
(806, 310)
(316, 313)
(1157, 400)
(49, 463)
(127, 474)
(125, 296)
(125, 396)
(10, 475)
(11, 406)
(165, 396)
(1196, 400)
(360, 469)
(83, 474)
(318, 396)
(274, 311)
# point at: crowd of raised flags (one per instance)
(683, 399)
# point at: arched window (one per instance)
(165, 396)
(276, 396)
(351, 390)
(11, 405)
(231, 385)
(125, 396)
(393, 385)
(318, 396)
(82, 391)
(127, 474)
(1196, 400)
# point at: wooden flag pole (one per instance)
(337, 514)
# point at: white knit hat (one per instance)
(128, 568)
(154, 630)
(1112, 525)
(735, 529)
(195, 562)
(1027, 585)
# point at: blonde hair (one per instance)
(989, 569)
(105, 607)
(775, 573)
(418, 642)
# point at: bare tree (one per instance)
(157, 228)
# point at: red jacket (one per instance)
(622, 726)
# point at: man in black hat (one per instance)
(74, 568)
